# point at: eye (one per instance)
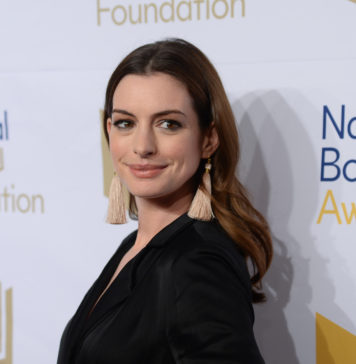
(170, 124)
(123, 124)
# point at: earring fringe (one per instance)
(117, 206)
(200, 207)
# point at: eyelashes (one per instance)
(166, 124)
(170, 124)
(123, 124)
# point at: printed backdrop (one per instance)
(289, 70)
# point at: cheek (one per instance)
(114, 149)
(117, 148)
(188, 154)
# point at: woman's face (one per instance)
(155, 139)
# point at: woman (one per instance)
(178, 289)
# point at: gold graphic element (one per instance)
(334, 345)
(353, 1)
(106, 158)
(8, 327)
(2, 162)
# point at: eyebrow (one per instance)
(157, 114)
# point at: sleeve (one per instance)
(212, 314)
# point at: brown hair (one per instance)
(231, 206)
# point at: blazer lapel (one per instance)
(130, 275)
(81, 321)
(115, 295)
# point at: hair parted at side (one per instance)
(230, 203)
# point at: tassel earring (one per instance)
(200, 208)
(117, 202)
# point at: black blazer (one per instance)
(185, 298)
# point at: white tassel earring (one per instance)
(117, 202)
(200, 208)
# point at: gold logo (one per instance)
(2, 163)
(354, 1)
(106, 159)
(6, 316)
(334, 344)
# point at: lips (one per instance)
(146, 167)
(146, 170)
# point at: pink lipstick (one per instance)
(146, 170)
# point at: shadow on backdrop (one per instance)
(280, 170)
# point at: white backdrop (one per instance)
(289, 70)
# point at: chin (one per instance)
(149, 194)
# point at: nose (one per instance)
(144, 143)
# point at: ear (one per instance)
(210, 141)
(108, 125)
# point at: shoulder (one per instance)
(205, 246)
(207, 237)
(210, 305)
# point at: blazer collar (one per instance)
(163, 236)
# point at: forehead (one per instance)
(156, 90)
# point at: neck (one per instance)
(155, 214)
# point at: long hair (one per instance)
(230, 203)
